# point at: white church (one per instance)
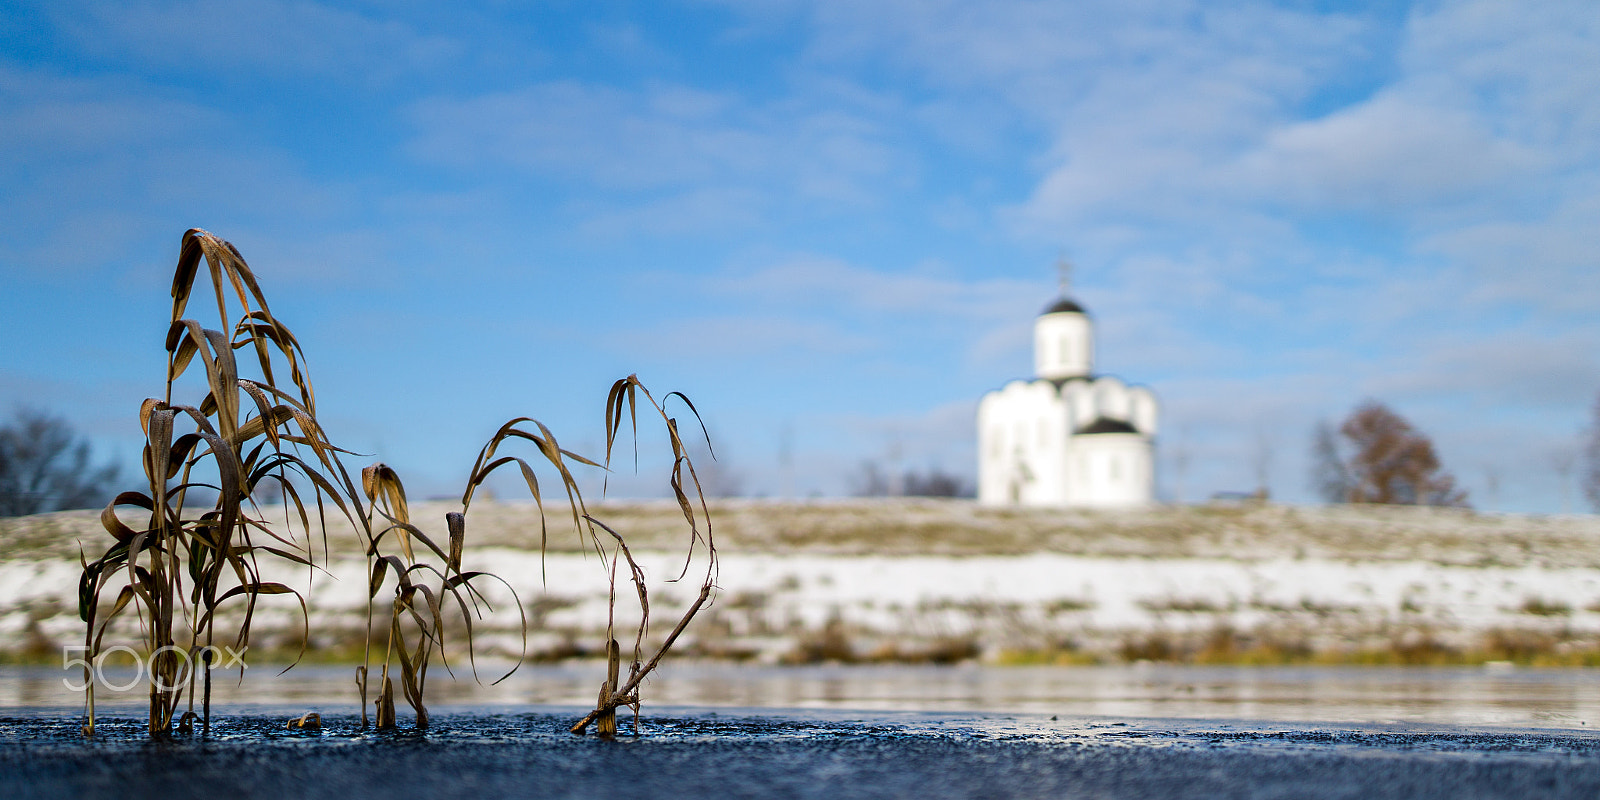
(1069, 437)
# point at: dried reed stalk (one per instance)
(184, 564)
(178, 570)
(622, 404)
(181, 567)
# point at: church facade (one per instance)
(1068, 437)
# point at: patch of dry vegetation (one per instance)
(1452, 537)
(175, 560)
(1272, 647)
(962, 528)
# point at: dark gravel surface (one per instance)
(799, 754)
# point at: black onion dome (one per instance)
(1065, 305)
(1107, 425)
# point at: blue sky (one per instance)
(829, 223)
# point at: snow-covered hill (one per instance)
(941, 580)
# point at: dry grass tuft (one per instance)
(251, 433)
(185, 563)
(418, 610)
(622, 408)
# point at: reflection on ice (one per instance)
(1567, 698)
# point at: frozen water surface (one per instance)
(1548, 698)
(837, 732)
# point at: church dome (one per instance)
(1065, 305)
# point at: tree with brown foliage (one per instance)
(1329, 475)
(1390, 462)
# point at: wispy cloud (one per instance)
(1384, 156)
(665, 138)
(268, 37)
(741, 338)
(811, 281)
(1276, 209)
(105, 172)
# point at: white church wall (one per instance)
(1114, 470)
(1021, 431)
(1144, 410)
(1080, 402)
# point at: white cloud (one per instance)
(980, 322)
(270, 36)
(104, 173)
(1511, 369)
(1483, 118)
(1383, 155)
(1548, 262)
(761, 338)
(665, 138)
(703, 211)
(944, 436)
(1276, 211)
(85, 117)
(924, 295)
(589, 132)
(1532, 71)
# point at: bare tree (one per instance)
(1590, 479)
(1564, 460)
(869, 481)
(1393, 462)
(718, 476)
(786, 461)
(1262, 462)
(872, 481)
(1329, 475)
(1180, 464)
(45, 467)
(937, 483)
(1491, 484)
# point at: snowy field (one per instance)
(946, 580)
